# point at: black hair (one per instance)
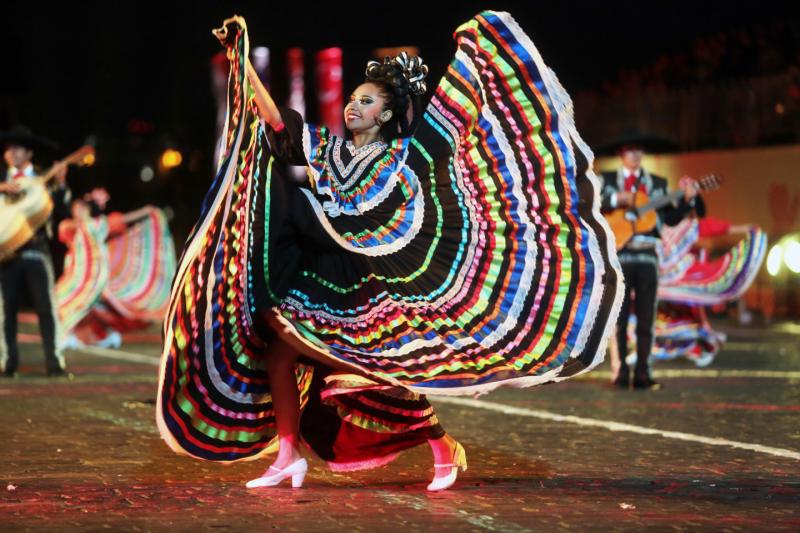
(390, 79)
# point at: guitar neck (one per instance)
(47, 176)
(74, 158)
(706, 183)
(659, 202)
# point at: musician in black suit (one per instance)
(30, 269)
(638, 258)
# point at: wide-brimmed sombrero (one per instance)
(653, 144)
(23, 136)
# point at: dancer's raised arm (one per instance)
(266, 106)
(267, 109)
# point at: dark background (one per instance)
(135, 77)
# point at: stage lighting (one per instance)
(146, 174)
(791, 256)
(260, 58)
(774, 260)
(171, 158)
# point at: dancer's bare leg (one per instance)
(613, 352)
(285, 400)
(703, 316)
(299, 348)
(741, 228)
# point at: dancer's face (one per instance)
(79, 210)
(365, 110)
(17, 156)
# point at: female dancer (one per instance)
(117, 271)
(451, 252)
(690, 280)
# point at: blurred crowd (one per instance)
(728, 89)
(724, 56)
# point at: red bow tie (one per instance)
(630, 182)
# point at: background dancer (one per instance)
(691, 279)
(117, 272)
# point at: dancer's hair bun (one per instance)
(404, 72)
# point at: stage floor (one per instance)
(717, 448)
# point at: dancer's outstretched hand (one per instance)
(221, 33)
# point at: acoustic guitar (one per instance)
(642, 217)
(25, 211)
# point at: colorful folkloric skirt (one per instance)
(85, 271)
(686, 278)
(473, 257)
(680, 332)
(114, 274)
(141, 263)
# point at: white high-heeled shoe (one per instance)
(112, 340)
(273, 476)
(459, 461)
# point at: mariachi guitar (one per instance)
(641, 217)
(22, 213)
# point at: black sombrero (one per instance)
(23, 136)
(653, 144)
